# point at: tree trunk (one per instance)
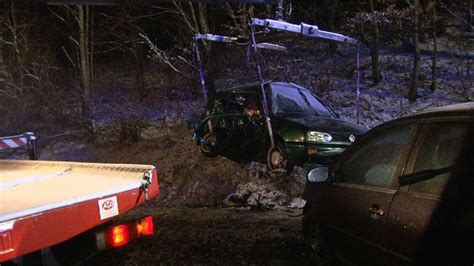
(139, 73)
(193, 16)
(416, 60)
(2, 62)
(251, 12)
(244, 19)
(231, 14)
(435, 50)
(203, 24)
(14, 33)
(203, 18)
(269, 11)
(374, 49)
(90, 47)
(211, 65)
(84, 52)
(84, 63)
(331, 20)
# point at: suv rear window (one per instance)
(439, 149)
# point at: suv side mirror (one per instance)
(318, 174)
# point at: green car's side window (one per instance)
(439, 149)
(375, 162)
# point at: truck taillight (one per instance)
(119, 235)
(145, 227)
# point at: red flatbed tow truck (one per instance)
(43, 203)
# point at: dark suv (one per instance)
(401, 195)
(305, 129)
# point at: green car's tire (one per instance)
(208, 147)
(277, 160)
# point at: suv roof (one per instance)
(462, 109)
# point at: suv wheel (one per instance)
(315, 244)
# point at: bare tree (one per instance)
(82, 42)
(85, 46)
(30, 76)
(462, 67)
(203, 20)
(123, 31)
(240, 16)
(412, 89)
(15, 46)
(366, 25)
(333, 8)
(79, 20)
(434, 59)
(374, 48)
(461, 10)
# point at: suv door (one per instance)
(364, 186)
(413, 207)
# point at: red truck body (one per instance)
(44, 203)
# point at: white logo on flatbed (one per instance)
(108, 207)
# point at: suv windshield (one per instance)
(296, 100)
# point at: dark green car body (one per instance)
(294, 111)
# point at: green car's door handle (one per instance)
(376, 212)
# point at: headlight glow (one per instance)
(316, 136)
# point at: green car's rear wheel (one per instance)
(277, 160)
(208, 145)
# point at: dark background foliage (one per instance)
(60, 63)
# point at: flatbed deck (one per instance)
(43, 203)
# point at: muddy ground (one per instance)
(210, 211)
(214, 236)
(195, 221)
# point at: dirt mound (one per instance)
(186, 176)
(214, 236)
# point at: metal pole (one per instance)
(201, 72)
(203, 85)
(31, 145)
(255, 49)
(262, 87)
(249, 53)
